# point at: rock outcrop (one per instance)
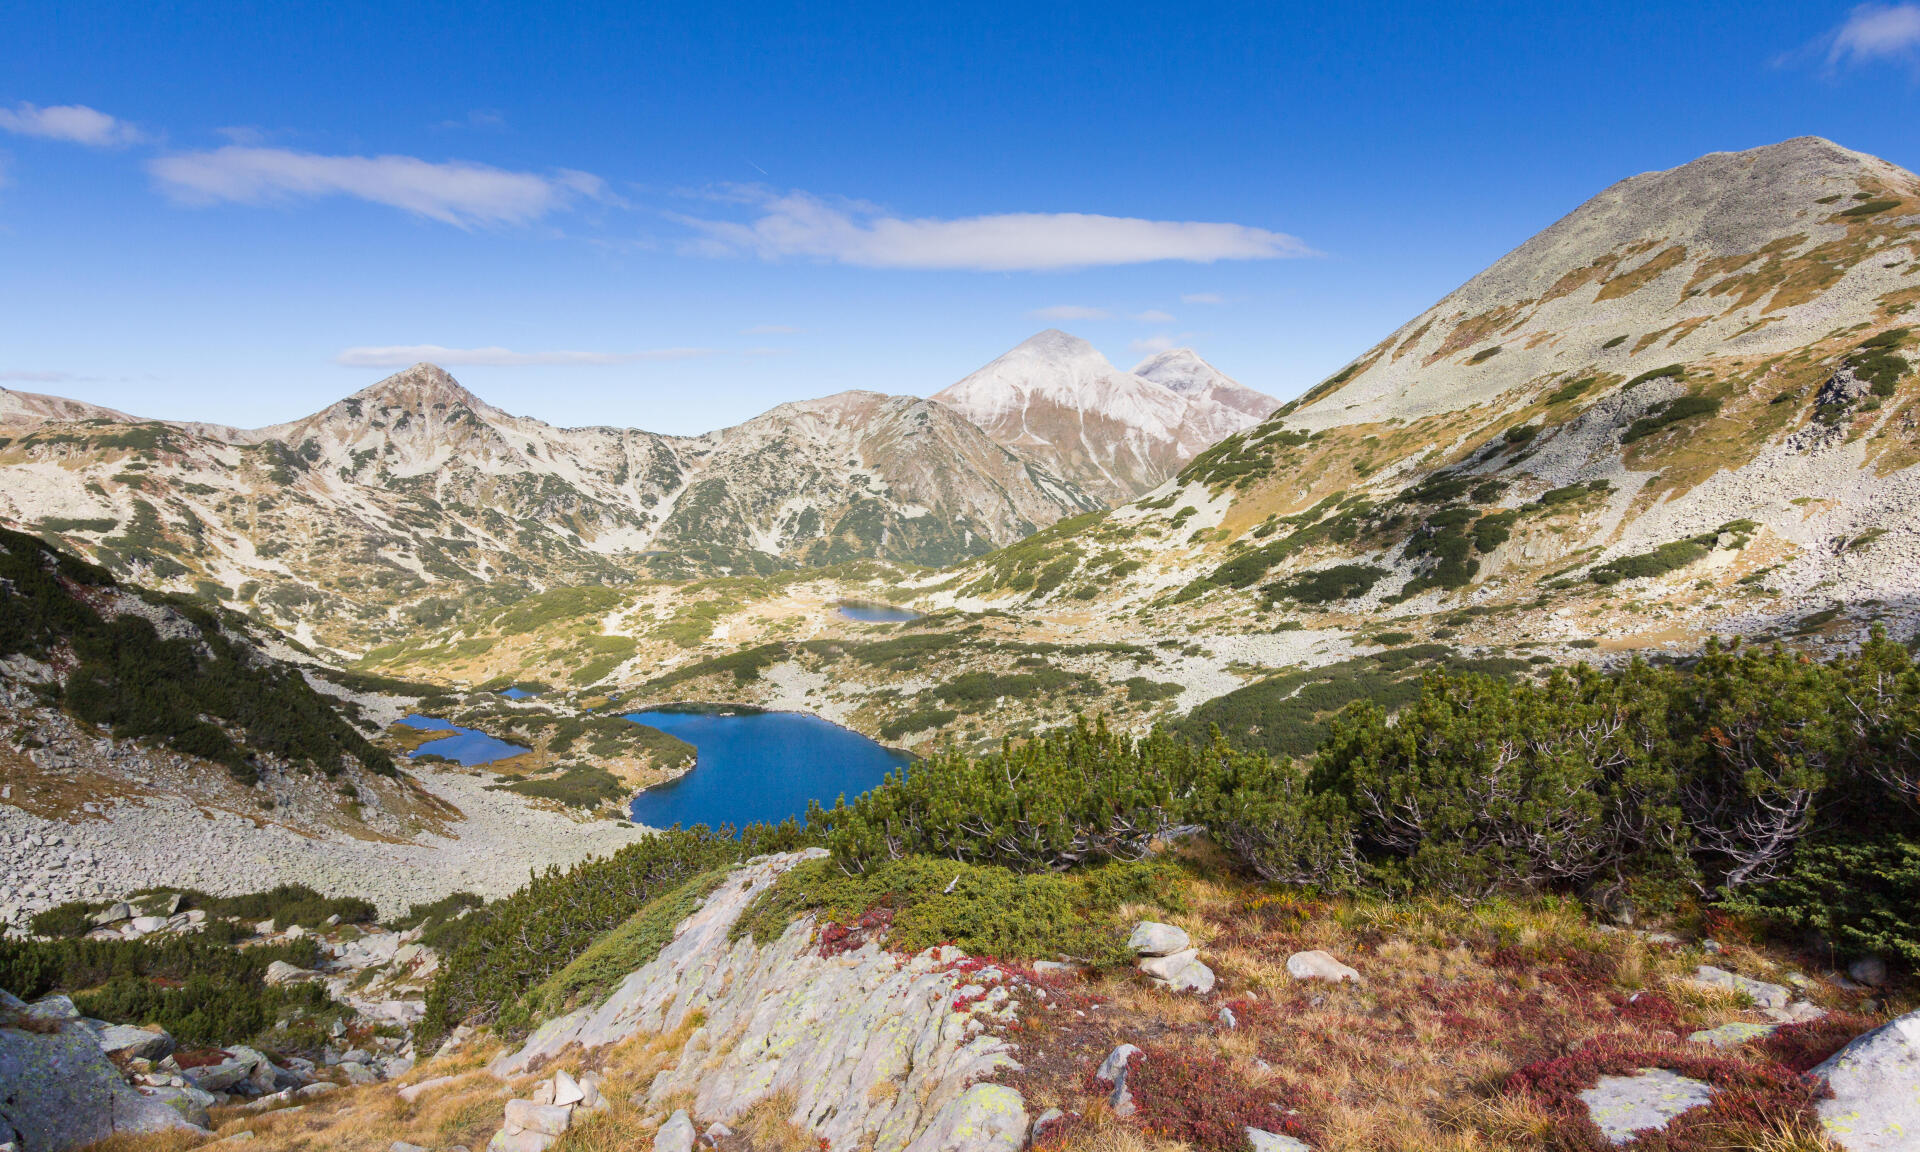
(1875, 1082)
(57, 1088)
(875, 1049)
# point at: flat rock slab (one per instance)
(1732, 1035)
(1876, 1089)
(1763, 994)
(1623, 1105)
(1154, 939)
(1318, 965)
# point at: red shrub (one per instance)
(836, 938)
(1801, 1046)
(1197, 1097)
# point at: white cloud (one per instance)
(1153, 316)
(1152, 344)
(454, 192)
(404, 355)
(773, 330)
(74, 123)
(1877, 31)
(1069, 312)
(1203, 298)
(843, 232)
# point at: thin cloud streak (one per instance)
(1203, 298)
(406, 355)
(800, 225)
(73, 123)
(25, 376)
(455, 192)
(1876, 32)
(1069, 312)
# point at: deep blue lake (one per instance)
(759, 766)
(467, 746)
(515, 693)
(868, 612)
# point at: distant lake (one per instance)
(873, 612)
(516, 693)
(759, 766)
(466, 746)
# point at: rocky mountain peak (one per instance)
(1184, 371)
(421, 388)
(1745, 254)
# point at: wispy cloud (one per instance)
(454, 192)
(1069, 312)
(74, 123)
(1203, 298)
(1877, 32)
(1153, 316)
(26, 376)
(403, 355)
(1148, 345)
(773, 330)
(801, 225)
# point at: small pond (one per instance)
(759, 766)
(517, 693)
(874, 612)
(465, 746)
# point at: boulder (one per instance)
(1166, 967)
(114, 914)
(984, 1118)
(566, 1090)
(58, 1090)
(188, 1101)
(1622, 1105)
(550, 1119)
(1868, 970)
(1763, 994)
(1152, 939)
(281, 972)
(147, 925)
(53, 1008)
(1115, 1065)
(128, 1042)
(1318, 965)
(676, 1135)
(1265, 1141)
(1875, 1082)
(401, 1145)
(413, 1092)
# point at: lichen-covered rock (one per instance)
(873, 1047)
(1265, 1141)
(1623, 1105)
(1876, 1089)
(676, 1135)
(984, 1118)
(144, 1043)
(58, 1090)
(1732, 1035)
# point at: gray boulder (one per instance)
(189, 1102)
(143, 1043)
(1153, 939)
(1181, 971)
(1622, 1105)
(676, 1135)
(1732, 1035)
(58, 1090)
(1876, 1089)
(1868, 970)
(1265, 1141)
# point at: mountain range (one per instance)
(414, 488)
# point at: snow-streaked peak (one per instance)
(1185, 371)
(1110, 431)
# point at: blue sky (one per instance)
(676, 217)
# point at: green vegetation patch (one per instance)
(986, 910)
(586, 786)
(593, 974)
(1671, 371)
(1324, 585)
(1663, 416)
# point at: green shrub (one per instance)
(1862, 895)
(1324, 585)
(1484, 355)
(587, 786)
(1673, 371)
(1615, 342)
(1871, 208)
(985, 910)
(286, 904)
(607, 961)
(1570, 391)
(203, 991)
(1662, 416)
(1141, 690)
(1662, 560)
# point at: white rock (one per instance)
(526, 1116)
(1318, 965)
(1732, 1035)
(1264, 1141)
(1153, 939)
(1166, 967)
(413, 1092)
(676, 1135)
(1875, 1080)
(281, 972)
(566, 1090)
(1115, 1065)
